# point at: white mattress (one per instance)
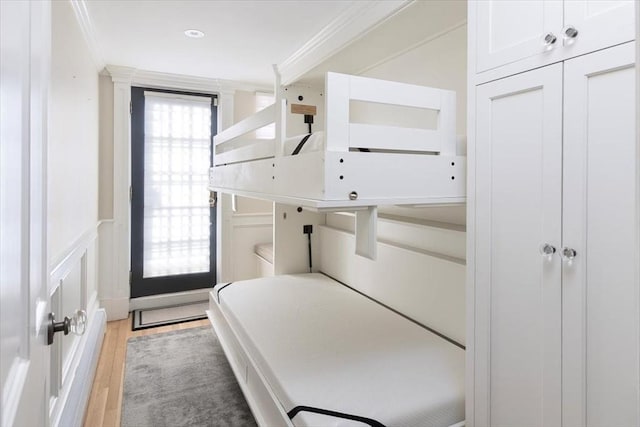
(314, 143)
(320, 344)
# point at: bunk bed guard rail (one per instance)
(384, 142)
(342, 134)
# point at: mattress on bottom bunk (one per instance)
(320, 344)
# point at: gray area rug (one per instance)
(181, 378)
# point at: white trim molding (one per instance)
(118, 231)
(73, 402)
(61, 267)
(154, 79)
(88, 31)
(168, 300)
(195, 83)
(359, 18)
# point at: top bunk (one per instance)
(382, 143)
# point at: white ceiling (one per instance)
(242, 38)
(306, 38)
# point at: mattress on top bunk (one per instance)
(265, 251)
(320, 344)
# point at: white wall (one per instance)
(440, 63)
(73, 137)
(72, 211)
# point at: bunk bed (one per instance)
(349, 164)
(307, 351)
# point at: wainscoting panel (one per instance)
(73, 286)
(427, 286)
(247, 230)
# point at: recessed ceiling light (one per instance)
(194, 34)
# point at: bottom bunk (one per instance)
(309, 351)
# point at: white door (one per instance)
(601, 329)
(518, 211)
(24, 302)
(509, 31)
(599, 24)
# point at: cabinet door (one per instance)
(601, 327)
(518, 209)
(599, 24)
(508, 31)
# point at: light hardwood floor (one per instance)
(105, 402)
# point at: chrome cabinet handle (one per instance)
(570, 32)
(547, 250)
(550, 39)
(76, 324)
(568, 254)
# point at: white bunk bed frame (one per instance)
(403, 166)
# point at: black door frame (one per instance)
(140, 286)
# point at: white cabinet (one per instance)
(518, 209)
(521, 35)
(508, 31)
(600, 287)
(599, 24)
(556, 338)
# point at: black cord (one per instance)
(310, 265)
(300, 145)
(308, 230)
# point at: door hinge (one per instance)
(130, 193)
(130, 108)
(215, 101)
(130, 277)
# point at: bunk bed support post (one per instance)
(281, 112)
(367, 232)
(337, 88)
(447, 124)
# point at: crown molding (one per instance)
(155, 79)
(353, 23)
(88, 32)
(120, 74)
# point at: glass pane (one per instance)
(177, 150)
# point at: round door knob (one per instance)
(550, 39)
(568, 254)
(78, 322)
(570, 32)
(547, 250)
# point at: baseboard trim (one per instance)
(116, 308)
(74, 402)
(167, 300)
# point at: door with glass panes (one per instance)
(172, 217)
